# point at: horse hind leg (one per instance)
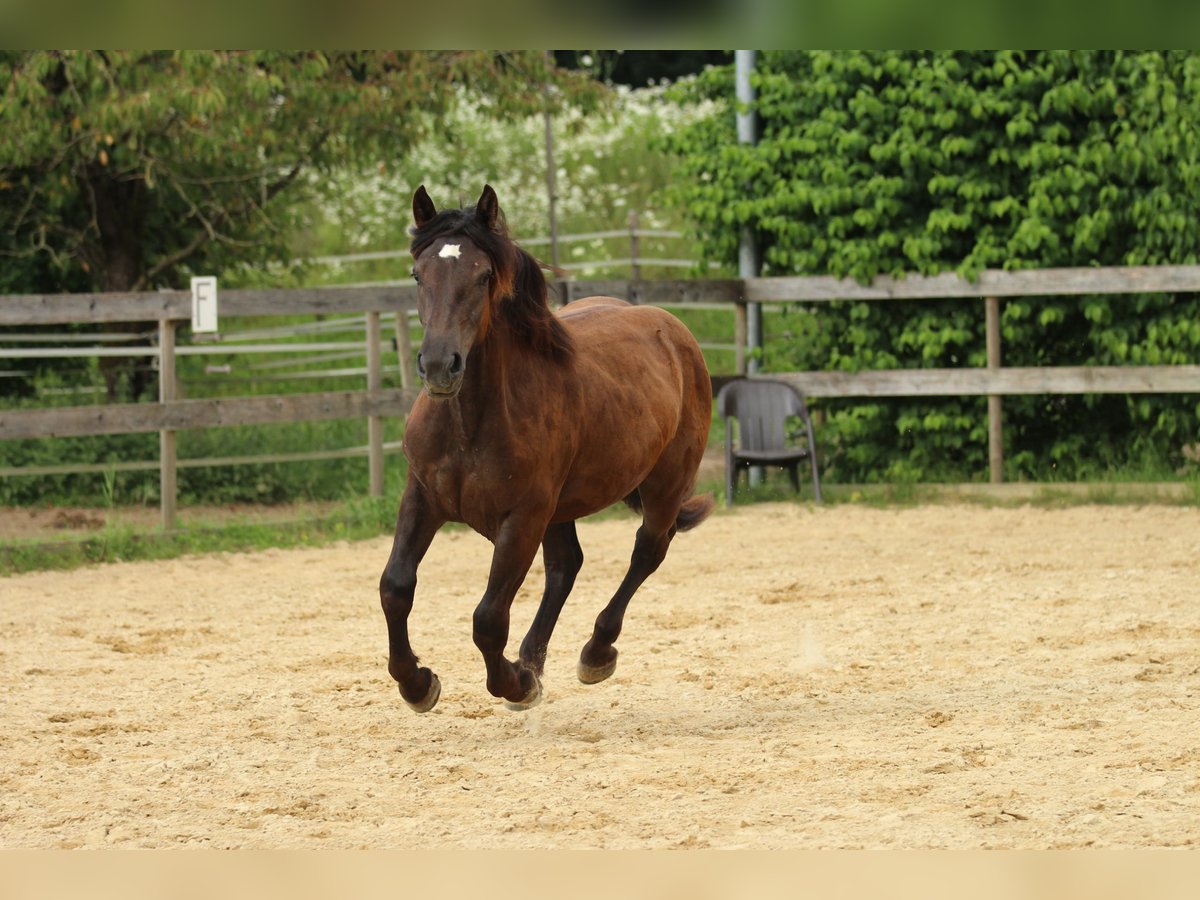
(661, 519)
(667, 505)
(598, 660)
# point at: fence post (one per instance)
(167, 482)
(564, 290)
(404, 356)
(995, 403)
(374, 422)
(739, 337)
(634, 246)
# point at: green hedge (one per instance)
(923, 162)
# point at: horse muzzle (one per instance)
(441, 373)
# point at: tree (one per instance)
(606, 169)
(128, 170)
(896, 162)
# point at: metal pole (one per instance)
(995, 403)
(739, 338)
(748, 258)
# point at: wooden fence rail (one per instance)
(990, 283)
(171, 414)
(167, 309)
(633, 235)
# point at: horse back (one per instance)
(576, 307)
(640, 342)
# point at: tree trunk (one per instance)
(119, 212)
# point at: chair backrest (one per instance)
(761, 408)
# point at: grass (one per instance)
(1116, 487)
(358, 519)
(353, 520)
(364, 518)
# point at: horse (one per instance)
(529, 419)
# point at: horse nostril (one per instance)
(456, 364)
(420, 365)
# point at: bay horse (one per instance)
(527, 421)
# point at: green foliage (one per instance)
(136, 167)
(606, 169)
(875, 163)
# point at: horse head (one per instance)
(457, 285)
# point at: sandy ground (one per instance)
(793, 677)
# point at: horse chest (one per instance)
(467, 481)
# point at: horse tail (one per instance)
(694, 511)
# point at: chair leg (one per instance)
(812, 456)
(736, 479)
(730, 465)
(793, 470)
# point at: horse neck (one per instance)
(493, 368)
(499, 367)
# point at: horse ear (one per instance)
(423, 208)
(487, 210)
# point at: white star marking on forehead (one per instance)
(450, 251)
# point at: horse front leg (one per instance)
(416, 524)
(563, 558)
(516, 546)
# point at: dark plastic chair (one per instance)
(762, 408)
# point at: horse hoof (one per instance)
(431, 696)
(532, 699)
(595, 674)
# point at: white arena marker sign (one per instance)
(204, 303)
(450, 251)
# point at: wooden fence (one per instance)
(994, 381)
(168, 309)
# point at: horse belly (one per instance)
(638, 392)
(607, 470)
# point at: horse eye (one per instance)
(485, 278)
(416, 277)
